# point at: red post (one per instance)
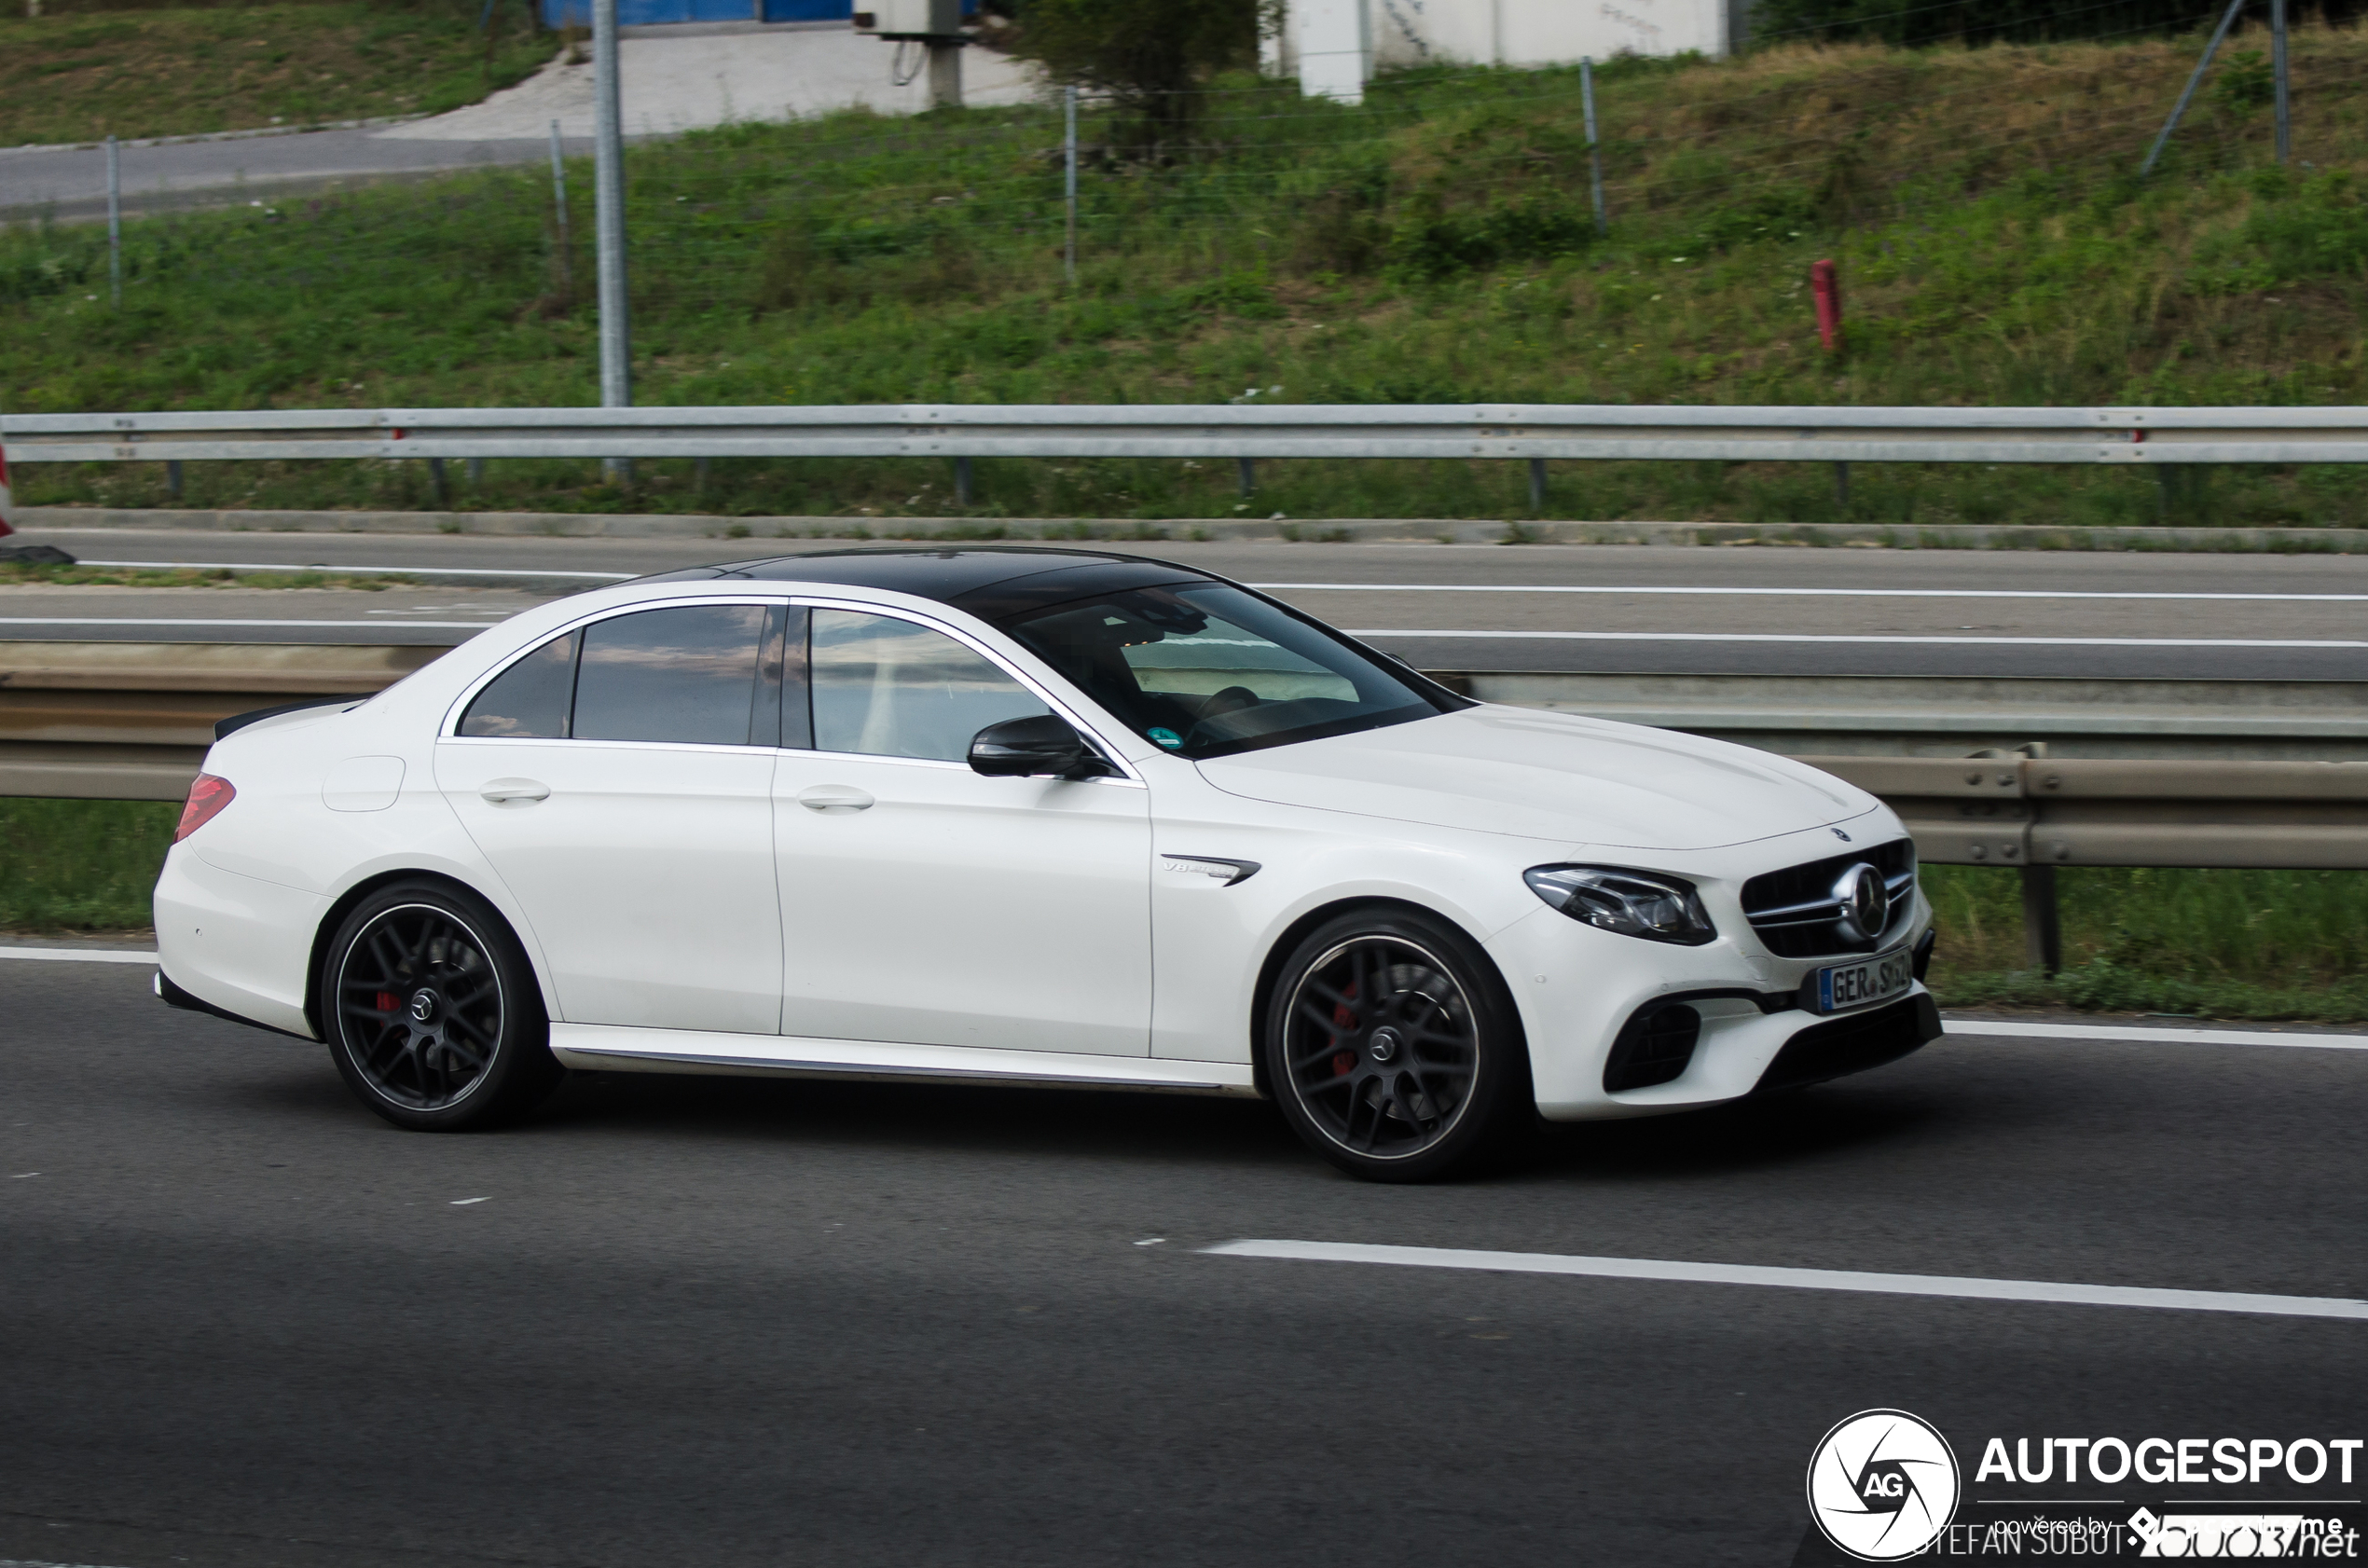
(1826, 284)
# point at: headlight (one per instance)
(1634, 903)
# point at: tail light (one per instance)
(207, 797)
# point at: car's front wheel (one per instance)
(1393, 1049)
(431, 1011)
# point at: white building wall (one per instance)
(1403, 32)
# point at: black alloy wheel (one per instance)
(432, 1012)
(1393, 1051)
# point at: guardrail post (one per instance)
(2042, 924)
(173, 478)
(2277, 65)
(1841, 484)
(962, 482)
(436, 485)
(476, 471)
(1538, 483)
(698, 476)
(1247, 468)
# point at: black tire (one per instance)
(431, 1011)
(1393, 1048)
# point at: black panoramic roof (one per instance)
(989, 581)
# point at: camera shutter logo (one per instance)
(1883, 1485)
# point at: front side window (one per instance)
(888, 688)
(1213, 670)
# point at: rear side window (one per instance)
(529, 700)
(687, 675)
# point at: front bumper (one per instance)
(1584, 995)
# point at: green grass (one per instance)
(2263, 944)
(1432, 246)
(77, 77)
(2260, 944)
(80, 865)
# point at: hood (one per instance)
(1549, 775)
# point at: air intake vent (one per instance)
(1654, 1047)
(1797, 914)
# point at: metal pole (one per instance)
(1594, 149)
(115, 222)
(1069, 147)
(2277, 61)
(608, 222)
(2193, 82)
(946, 74)
(560, 197)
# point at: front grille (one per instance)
(1853, 1043)
(1654, 1047)
(1793, 911)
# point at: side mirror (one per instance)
(1044, 744)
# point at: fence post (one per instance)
(1068, 144)
(1594, 145)
(2042, 923)
(608, 203)
(2278, 63)
(115, 223)
(2194, 81)
(559, 199)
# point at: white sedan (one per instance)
(1034, 816)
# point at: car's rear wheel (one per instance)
(1393, 1048)
(431, 1011)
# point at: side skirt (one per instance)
(619, 1048)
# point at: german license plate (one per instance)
(1870, 980)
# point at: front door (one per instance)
(926, 904)
(619, 779)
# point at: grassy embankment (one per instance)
(1434, 246)
(2211, 944)
(79, 74)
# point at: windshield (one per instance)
(1207, 671)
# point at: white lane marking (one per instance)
(1800, 1279)
(30, 1562)
(81, 955)
(1775, 593)
(2145, 1035)
(147, 621)
(24, 1176)
(464, 1202)
(361, 570)
(1795, 637)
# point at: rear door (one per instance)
(619, 779)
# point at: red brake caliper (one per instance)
(386, 1002)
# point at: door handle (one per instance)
(833, 797)
(514, 792)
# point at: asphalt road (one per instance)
(69, 184)
(707, 1321)
(1598, 609)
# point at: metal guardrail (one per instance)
(121, 721)
(1537, 431)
